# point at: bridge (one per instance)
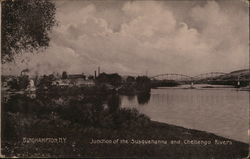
(183, 77)
(172, 76)
(209, 78)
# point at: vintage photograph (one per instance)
(125, 79)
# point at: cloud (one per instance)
(226, 34)
(140, 36)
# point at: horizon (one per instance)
(122, 75)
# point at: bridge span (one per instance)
(172, 76)
(183, 77)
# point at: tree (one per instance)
(13, 83)
(23, 82)
(114, 103)
(130, 79)
(113, 79)
(19, 83)
(90, 77)
(64, 75)
(46, 81)
(25, 26)
(143, 83)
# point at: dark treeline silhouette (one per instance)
(112, 79)
(163, 83)
(19, 83)
(143, 83)
(225, 82)
(64, 75)
(134, 85)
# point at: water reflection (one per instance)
(114, 102)
(131, 97)
(223, 112)
(143, 98)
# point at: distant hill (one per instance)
(243, 74)
(243, 71)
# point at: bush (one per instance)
(129, 119)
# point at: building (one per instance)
(74, 80)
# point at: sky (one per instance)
(144, 36)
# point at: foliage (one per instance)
(143, 83)
(164, 83)
(64, 75)
(25, 26)
(23, 81)
(113, 103)
(46, 81)
(13, 83)
(130, 79)
(113, 79)
(90, 77)
(81, 113)
(19, 83)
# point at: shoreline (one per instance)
(158, 140)
(206, 133)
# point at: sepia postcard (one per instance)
(125, 79)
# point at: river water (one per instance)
(222, 111)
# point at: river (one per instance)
(223, 111)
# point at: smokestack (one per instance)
(98, 70)
(95, 74)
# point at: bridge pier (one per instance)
(192, 84)
(238, 81)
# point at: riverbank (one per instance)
(156, 140)
(161, 140)
(200, 144)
